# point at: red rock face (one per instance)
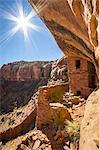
(5, 72)
(25, 72)
(35, 71)
(20, 80)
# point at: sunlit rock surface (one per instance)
(49, 114)
(74, 24)
(35, 139)
(89, 137)
(26, 71)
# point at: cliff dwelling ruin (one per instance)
(82, 76)
(76, 33)
(44, 104)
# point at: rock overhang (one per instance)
(74, 25)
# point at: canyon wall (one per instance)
(19, 80)
(89, 134)
(74, 24)
(22, 119)
(25, 71)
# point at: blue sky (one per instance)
(41, 45)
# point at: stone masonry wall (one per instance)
(47, 95)
(79, 77)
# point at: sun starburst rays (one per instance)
(8, 35)
(20, 21)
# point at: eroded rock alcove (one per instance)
(74, 24)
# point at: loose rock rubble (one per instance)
(34, 140)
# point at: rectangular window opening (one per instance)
(78, 64)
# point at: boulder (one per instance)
(35, 139)
(59, 114)
(89, 134)
(36, 144)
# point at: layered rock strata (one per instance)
(74, 24)
(19, 80)
(16, 124)
(25, 71)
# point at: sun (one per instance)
(23, 20)
(24, 23)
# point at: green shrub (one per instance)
(73, 130)
(30, 144)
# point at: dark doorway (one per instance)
(78, 93)
(91, 75)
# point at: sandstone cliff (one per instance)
(89, 137)
(19, 80)
(25, 71)
(74, 24)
